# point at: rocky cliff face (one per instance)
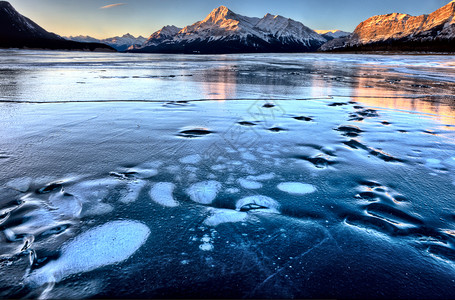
(433, 32)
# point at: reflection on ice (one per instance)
(105, 245)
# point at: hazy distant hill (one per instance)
(332, 34)
(224, 31)
(120, 43)
(403, 32)
(17, 31)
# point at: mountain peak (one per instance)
(223, 10)
(219, 14)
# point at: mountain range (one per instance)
(224, 31)
(17, 31)
(333, 34)
(120, 43)
(402, 32)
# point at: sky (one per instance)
(108, 18)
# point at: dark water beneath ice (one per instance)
(348, 194)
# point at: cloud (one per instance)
(112, 5)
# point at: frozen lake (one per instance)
(242, 176)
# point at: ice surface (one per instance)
(204, 192)
(373, 184)
(20, 184)
(65, 205)
(143, 173)
(296, 188)
(107, 244)
(161, 193)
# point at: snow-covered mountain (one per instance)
(165, 33)
(224, 31)
(120, 43)
(17, 31)
(433, 32)
(333, 34)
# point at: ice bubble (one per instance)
(211, 176)
(206, 247)
(248, 156)
(262, 177)
(107, 244)
(296, 188)
(173, 169)
(132, 191)
(204, 192)
(450, 161)
(248, 184)
(206, 243)
(259, 202)
(191, 159)
(433, 163)
(232, 190)
(96, 209)
(218, 167)
(221, 216)
(20, 184)
(191, 169)
(161, 193)
(93, 190)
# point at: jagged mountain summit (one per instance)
(17, 31)
(395, 31)
(120, 43)
(224, 31)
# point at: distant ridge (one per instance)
(333, 34)
(224, 31)
(120, 43)
(402, 32)
(17, 31)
